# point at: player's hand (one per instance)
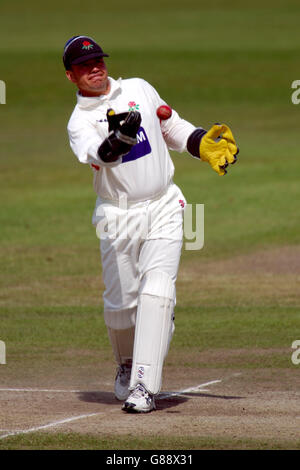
(122, 136)
(115, 120)
(218, 148)
(127, 123)
(131, 124)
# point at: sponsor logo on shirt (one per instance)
(141, 148)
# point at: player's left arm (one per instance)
(217, 147)
(175, 130)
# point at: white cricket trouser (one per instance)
(138, 238)
(140, 250)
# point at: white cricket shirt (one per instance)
(146, 171)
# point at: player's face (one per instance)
(91, 77)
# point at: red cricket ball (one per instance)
(164, 112)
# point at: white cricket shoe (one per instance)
(122, 381)
(139, 401)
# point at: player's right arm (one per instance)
(85, 141)
(105, 150)
(122, 128)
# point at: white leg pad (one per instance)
(121, 328)
(154, 329)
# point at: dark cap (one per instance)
(79, 49)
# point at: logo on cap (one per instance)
(87, 45)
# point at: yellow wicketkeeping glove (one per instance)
(218, 148)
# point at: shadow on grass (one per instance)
(108, 398)
(169, 402)
(162, 403)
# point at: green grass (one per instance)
(74, 441)
(38, 332)
(241, 327)
(226, 61)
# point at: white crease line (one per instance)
(50, 425)
(49, 390)
(198, 388)
(74, 418)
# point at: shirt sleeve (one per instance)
(175, 130)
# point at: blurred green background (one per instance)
(227, 61)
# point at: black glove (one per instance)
(123, 128)
(131, 124)
(115, 120)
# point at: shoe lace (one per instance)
(139, 391)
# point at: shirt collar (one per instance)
(94, 101)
